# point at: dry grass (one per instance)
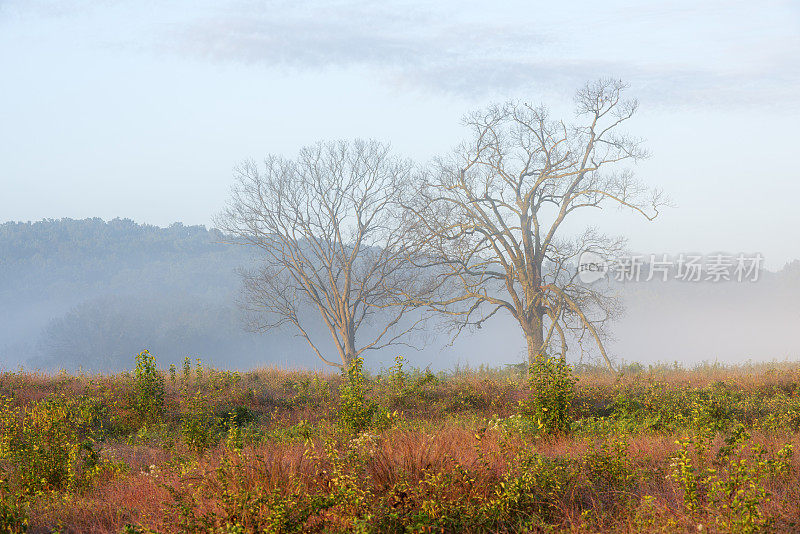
(448, 460)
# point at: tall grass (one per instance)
(651, 448)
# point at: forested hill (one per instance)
(92, 293)
(52, 257)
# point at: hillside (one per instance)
(90, 293)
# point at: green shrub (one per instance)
(311, 392)
(711, 408)
(236, 424)
(50, 445)
(531, 496)
(200, 427)
(302, 432)
(199, 372)
(728, 487)
(609, 468)
(552, 386)
(397, 376)
(513, 424)
(240, 505)
(782, 414)
(405, 386)
(187, 374)
(239, 416)
(356, 412)
(148, 389)
(14, 510)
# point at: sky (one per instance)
(142, 109)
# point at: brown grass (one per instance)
(442, 457)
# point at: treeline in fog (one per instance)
(92, 293)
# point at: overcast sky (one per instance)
(141, 109)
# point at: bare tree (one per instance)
(494, 214)
(327, 225)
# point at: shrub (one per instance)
(51, 444)
(397, 376)
(531, 496)
(356, 412)
(311, 391)
(406, 386)
(238, 417)
(729, 486)
(187, 374)
(711, 408)
(234, 423)
(552, 385)
(239, 505)
(608, 465)
(148, 389)
(14, 512)
(200, 427)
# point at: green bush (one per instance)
(148, 389)
(729, 486)
(311, 392)
(405, 387)
(531, 496)
(187, 374)
(50, 445)
(200, 427)
(239, 416)
(552, 386)
(356, 412)
(609, 468)
(14, 512)
(238, 425)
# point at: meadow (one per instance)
(557, 449)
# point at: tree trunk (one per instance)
(534, 335)
(349, 348)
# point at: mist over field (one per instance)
(381, 267)
(135, 114)
(91, 294)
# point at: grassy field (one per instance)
(649, 449)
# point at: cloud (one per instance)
(408, 46)
(718, 53)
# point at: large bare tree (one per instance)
(495, 214)
(327, 225)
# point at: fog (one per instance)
(90, 294)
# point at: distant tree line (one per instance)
(90, 293)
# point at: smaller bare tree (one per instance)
(327, 225)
